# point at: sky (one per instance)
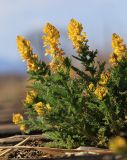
(100, 19)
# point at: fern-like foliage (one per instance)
(87, 108)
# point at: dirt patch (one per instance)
(31, 147)
(29, 153)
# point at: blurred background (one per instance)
(27, 17)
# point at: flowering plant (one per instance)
(119, 146)
(72, 106)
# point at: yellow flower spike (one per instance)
(51, 39)
(101, 92)
(53, 66)
(104, 78)
(39, 108)
(91, 86)
(59, 58)
(24, 47)
(113, 59)
(117, 143)
(29, 99)
(76, 35)
(32, 63)
(57, 63)
(119, 49)
(17, 118)
(22, 127)
(31, 95)
(51, 31)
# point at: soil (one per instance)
(33, 154)
(28, 153)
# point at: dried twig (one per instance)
(8, 149)
(17, 138)
(62, 151)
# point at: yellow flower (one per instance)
(51, 39)
(91, 86)
(101, 92)
(17, 118)
(119, 49)
(51, 31)
(24, 47)
(39, 108)
(29, 99)
(22, 127)
(32, 63)
(117, 143)
(76, 35)
(57, 64)
(53, 65)
(113, 59)
(26, 53)
(104, 78)
(31, 66)
(117, 44)
(59, 58)
(31, 95)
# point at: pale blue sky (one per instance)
(26, 17)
